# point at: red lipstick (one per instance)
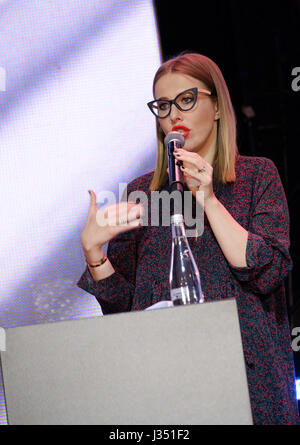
(182, 127)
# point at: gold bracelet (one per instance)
(99, 264)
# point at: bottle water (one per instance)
(185, 285)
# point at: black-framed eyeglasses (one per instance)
(184, 101)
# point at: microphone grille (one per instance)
(174, 136)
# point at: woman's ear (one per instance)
(217, 111)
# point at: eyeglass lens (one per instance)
(185, 102)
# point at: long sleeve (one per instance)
(115, 293)
(267, 252)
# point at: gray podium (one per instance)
(175, 366)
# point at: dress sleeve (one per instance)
(114, 293)
(267, 252)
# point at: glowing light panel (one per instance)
(73, 117)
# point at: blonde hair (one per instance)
(204, 69)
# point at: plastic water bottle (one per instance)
(185, 285)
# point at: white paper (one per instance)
(160, 305)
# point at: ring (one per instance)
(201, 170)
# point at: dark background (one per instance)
(256, 45)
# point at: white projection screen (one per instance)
(75, 77)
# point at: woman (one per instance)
(243, 251)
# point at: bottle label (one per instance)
(180, 293)
(186, 295)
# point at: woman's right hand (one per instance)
(103, 225)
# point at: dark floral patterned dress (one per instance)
(141, 258)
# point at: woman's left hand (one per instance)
(198, 174)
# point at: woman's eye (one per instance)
(163, 106)
(187, 99)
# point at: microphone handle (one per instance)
(175, 174)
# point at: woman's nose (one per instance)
(175, 114)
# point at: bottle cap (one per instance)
(176, 219)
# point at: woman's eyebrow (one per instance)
(166, 98)
(162, 98)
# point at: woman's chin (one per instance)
(188, 146)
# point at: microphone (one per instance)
(173, 140)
